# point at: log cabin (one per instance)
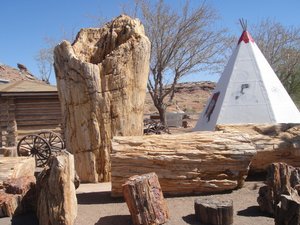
(27, 107)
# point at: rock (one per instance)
(8, 204)
(56, 201)
(19, 185)
(282, 179)
(274, 143)
(17, 196)
(101, 80)
(198, 162)
(145, 200)
(213, 211)
(288, 210)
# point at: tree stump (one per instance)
(145, 200)
(56, 197)
(214, 212)
(288, 210)
(102, 81)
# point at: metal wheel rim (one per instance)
(35, 146)
(55, 141)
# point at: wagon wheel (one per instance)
(55, 141)
(35, 146)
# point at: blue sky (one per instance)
(26, 24)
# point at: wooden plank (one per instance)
(33, 100)
(34, 110)
(38, 122)
(38, 104)
(40, 116)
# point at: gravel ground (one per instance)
(96, 207)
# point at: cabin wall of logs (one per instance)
(27, 114)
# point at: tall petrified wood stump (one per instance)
(101, 80)
(145, 200)
(214, 212)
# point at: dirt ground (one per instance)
(96, 207)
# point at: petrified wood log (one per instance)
(214, 212)
(282, 179)
(188, 163)
(274, 143)
(145, 200)
(56, 197)
(288, 210)
(101, 80)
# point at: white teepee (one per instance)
(248, 92)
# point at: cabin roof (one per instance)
(26, 87)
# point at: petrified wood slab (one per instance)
(188, 163)
(213, 211)
(16, 167)
(145, 200)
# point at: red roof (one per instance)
(245, 37)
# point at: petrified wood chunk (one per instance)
(190, 163)
(17, 195)
(214, 212)
(145, 200)
(57, 202)
(288, 210)
(282, 179)
(101, 80)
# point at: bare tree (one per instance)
(281, 47)
(44, 57)
(45, 61)
(183, 42)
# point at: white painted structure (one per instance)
(248, 92)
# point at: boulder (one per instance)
(56, 197)
(191, 163)
(101, 81)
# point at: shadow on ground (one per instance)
(25, 219)
(97, 198)
(252, 211)
(115, 220)
(190, 219)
